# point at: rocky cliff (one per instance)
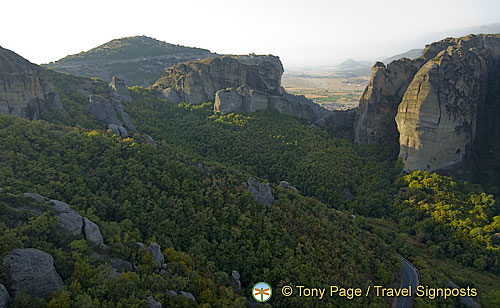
(138, 60)
(25, 88)
(234, 84)
(432, 104)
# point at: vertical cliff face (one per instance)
(197, 82)
(431, 104)
(234, 84)
(24, 88)
(378, 105)
(437, 118)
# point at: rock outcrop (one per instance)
(121, 265)
(234, 84)
(437, 118)
(235, 278)
(91, 232)
(188, 295)
(110, 109)
(287, 186)
(431, 104)
(378, 105)
(25, 88)
(70, 221)
(4, 296)
(261, 192)
(155, 251)
(152, 303)
(32, 271)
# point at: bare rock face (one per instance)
(437, 118)
(155, 251)
(234, 83)
(69, 219)
(119, 91)
(91, 232)
(235, 278)
(110, 109)
(152, 303)
(4, 296)
(25, 90)
(261, 192)
(431, 105)
(378, 105)
(32, 271)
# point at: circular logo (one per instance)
(262, 292)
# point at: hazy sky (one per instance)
(302, 33)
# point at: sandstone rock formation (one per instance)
(121, 265)
(91, 232)
(152, 303)
(188, 295)
(69, 219)
(287, 186)
(437, 118)
(235, 278)
(378, 105)
(32, 271)
(431, 104)
(155, 251)
(25, 88)
(234, 84)
(261, 192)
(110, 110)
(4, 296)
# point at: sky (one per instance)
(302, 33)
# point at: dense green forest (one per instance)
(453, 218)
(276, 147)
(139, 193)
(187, 194)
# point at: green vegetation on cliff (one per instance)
(138, 192)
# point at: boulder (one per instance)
(348, 195)
(151, 141)
(188, 295)
(111, 112)
(155, 251)
(121, 265)
(235, 278)
(69, 219)
(37, 197)
(287, 185)
(152, 303)
(32, 271)
(114, 128)
(171, 293)
(261, 192)
(4, 296)
(91, 232)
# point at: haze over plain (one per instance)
(303, 34)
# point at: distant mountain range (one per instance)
(410, 54)
(138, 60)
